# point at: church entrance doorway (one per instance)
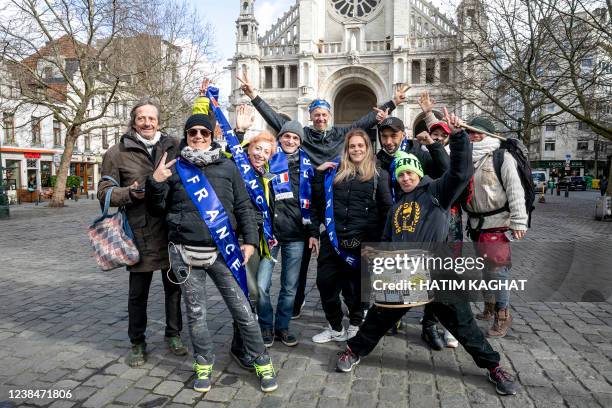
(352, 102)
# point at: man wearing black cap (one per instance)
(392, 136)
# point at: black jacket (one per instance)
(422, 215)
(185, 225)
(287, 225)
(359, 212)
(321, 146)
(435, 160)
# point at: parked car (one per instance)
(573, 182)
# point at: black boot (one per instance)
(431, 336)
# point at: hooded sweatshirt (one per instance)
(422, 215)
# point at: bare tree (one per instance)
(64, 53)
(544, 52)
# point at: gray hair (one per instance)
(142, 102)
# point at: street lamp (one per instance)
(4, 204)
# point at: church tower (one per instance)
(247, 53)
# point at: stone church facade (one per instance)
(352, 53)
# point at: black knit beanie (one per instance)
(197, 119)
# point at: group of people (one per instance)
(199, 209)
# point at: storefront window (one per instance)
(13, 174)
(45, 174)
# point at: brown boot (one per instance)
(488, 312)
(503, 321)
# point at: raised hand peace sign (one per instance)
(246, 86)
(162, 172)
(381, 114)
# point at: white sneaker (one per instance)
(352, 331)
(330, 334)
(450, 340)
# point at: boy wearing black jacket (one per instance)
(433, 198)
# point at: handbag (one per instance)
(111, 236)
(495, 247)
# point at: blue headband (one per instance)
(319, 103)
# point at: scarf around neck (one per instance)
(200, 158)
(149, 144)
(484, 147)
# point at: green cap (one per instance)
(407, 162)
(482, 123)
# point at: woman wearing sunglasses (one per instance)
(195, 251)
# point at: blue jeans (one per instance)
(194, 295)
(291, 261)
(501, 297)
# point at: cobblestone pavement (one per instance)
(63, 326)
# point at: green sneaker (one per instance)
(265, 372)
(203, 372)
(176, 346)
(137, 355)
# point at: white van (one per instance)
(540, 179)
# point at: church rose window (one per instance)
(355, 8)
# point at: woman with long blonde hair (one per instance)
(355, 198)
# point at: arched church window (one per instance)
(355, 8)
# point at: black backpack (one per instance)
(518, 150)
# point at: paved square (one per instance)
(63, 326)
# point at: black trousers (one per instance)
(457, 318)
(334, 275)
(429, 318)
(140, 282)
(300, 295)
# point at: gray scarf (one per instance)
(200, 158)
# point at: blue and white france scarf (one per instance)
(203, 196)
(282, 182)
(246, 170)
(402, 148)
(330, 224)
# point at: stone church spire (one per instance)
(246, 29)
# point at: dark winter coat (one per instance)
(185, 225)
(126, 162)
(321, 146)
(359, 211)
(422, 215)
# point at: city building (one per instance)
(352, 53)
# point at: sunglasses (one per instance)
(194, 132)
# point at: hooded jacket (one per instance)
(422, 215)
(185, 224)
(320, 145)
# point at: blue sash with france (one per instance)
(402, 148)
(246, 171)
(282, 182)
(330, 224)
(212, 212)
